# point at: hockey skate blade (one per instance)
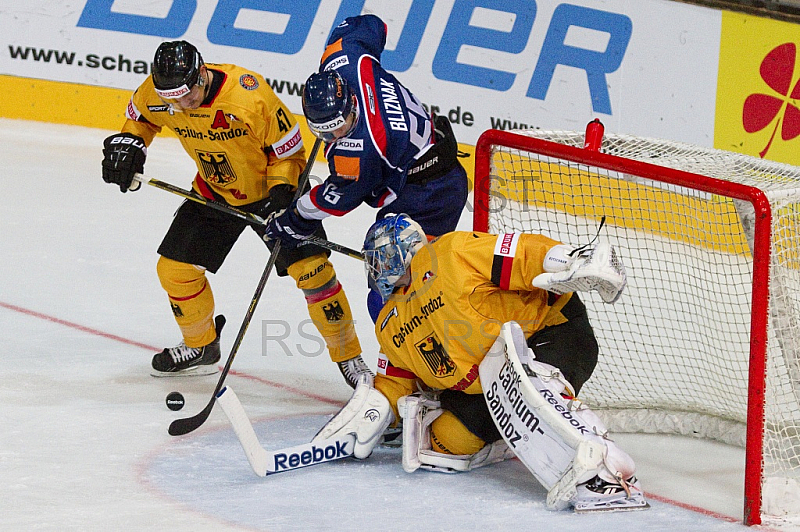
(616, 506)
(195, 371)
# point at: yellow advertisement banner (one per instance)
(758, 89)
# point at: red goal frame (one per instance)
(591, 155)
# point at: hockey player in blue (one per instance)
(382, 147)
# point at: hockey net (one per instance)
(705, 341)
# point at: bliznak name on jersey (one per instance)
(391, 104)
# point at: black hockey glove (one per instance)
(289, 226)
(123, 156)
(280, 197)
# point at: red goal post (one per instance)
(705, 341)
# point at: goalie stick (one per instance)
(186, 425)
(238, 213)
(266, 462)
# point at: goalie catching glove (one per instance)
(123, 157)
(583, 270)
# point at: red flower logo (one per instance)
(777, 70)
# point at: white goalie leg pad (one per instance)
(366, 415)
(616, 459)
(599, 269)
(491, 453)
(617, 463)
(418, 413)
(561, 442)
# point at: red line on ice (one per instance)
(96, 332)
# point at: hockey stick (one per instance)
(333, 246)
(266, 462)
(188, 424)
(243, 215)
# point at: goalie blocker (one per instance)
(561, 442)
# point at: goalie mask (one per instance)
(389, 246)
(328, 102)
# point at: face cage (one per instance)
(385, 266)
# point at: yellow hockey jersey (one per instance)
(465, 285)
(243, 139)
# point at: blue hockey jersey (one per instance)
(392, 132)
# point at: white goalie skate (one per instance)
(599, 495)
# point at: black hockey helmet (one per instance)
(327, 103)
(176, 68)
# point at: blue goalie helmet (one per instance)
(389, 246)
(327, 103)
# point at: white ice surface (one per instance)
(84, 443)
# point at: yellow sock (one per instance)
(191, 299)
(327, 306)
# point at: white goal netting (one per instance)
(676, 349)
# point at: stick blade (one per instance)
(185, 425)
(309, 454)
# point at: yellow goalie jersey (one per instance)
(242, 138)
(465, 285)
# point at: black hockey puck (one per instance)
(175, 401)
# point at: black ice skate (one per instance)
(184, 361)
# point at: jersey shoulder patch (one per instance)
(248, 81)
(132, 112)
(505, 250)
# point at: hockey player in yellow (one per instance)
(484, 339)
(437, 329)
(249, 153)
